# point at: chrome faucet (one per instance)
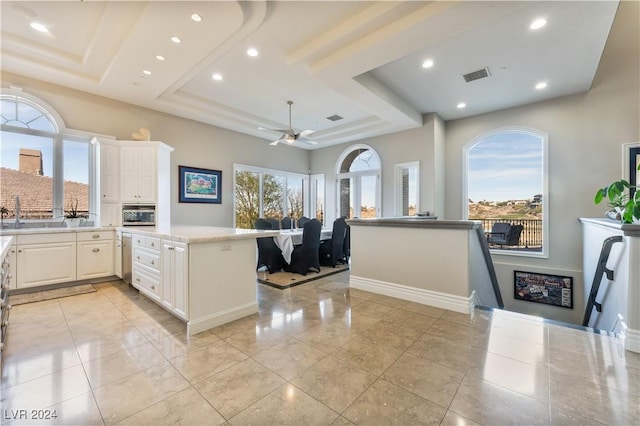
(18, 212)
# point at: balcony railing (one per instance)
(530, 238)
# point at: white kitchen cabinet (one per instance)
(138, 174)
(94, 254)
(109, 173)
(118, 255)
(45, 259)
(175, 278)
(146, 266)
(110, 214)
(12, 260)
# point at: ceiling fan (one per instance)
(289, 135)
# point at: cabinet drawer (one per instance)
(95, 236)
(147, 258)
(152, 243)
(62, 237)
(147, 283)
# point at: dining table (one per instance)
(289, 238)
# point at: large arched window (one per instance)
(506, 184)
(43, 169)
(358, 172)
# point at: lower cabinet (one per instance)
(175, 278)
(47, 263)
(95, 255)
(146, 267)
(118, 255)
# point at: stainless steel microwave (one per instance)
(138, 215)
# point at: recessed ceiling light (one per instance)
(39, 27)
(538, 23)
(196, 17)
(146, 72)
(216, 76)
(428, 63)
(160, 57)
(461, 105)
(176, 39)
(252, 52)
(541, 85)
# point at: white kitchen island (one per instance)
(202, 274)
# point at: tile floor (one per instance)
(320, 353)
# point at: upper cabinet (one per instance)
(109, 173)
(138, 174)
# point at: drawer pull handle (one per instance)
(138, 279)
(138, 257)
(170, 248)
(153, 244)
(153, 262)
(19, 251)
(95, 236)
(95, 250)
(153, 287)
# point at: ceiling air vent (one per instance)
(334, 117)
(476, 75)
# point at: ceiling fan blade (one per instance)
(306, 133)
(274, 143)
(273, 130)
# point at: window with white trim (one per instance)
(358, 180)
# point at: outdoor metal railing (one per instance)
(531, 236)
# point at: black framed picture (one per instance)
(199, 185)
(549, 289)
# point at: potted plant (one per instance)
(71, 215)
(623, 207)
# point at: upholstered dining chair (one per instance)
(302, 220)
(305, 257)
(332, 251)
(285, 223)
(269, 255)
(275, 223)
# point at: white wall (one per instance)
(196, 144)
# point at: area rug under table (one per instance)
(39, 296)
(284, 280)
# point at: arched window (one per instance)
(43, 169)
(358, 172)
(506, 184)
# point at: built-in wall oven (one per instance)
(138, 215)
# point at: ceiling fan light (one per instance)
(290, 138)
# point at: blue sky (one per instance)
(505, 166)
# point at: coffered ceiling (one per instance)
(359, 60)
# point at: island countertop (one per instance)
(198, 233)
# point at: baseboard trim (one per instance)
(464, 305)
(632, 340)
(198, 325)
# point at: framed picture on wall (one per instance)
(549, 289)
(199, 185)
(630, 161)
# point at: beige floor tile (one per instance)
(171, 346)
(575, 396)
(185, 408)
(237, 326)
(289, 358)
(392, 334)
(461, 333)
(78, 410)
(126, 362)
(36, 313)
(413, 320)
(334, 382)
(452, 354)
(427, 379)
(514, 347)
(531, 380)
(95, 347)
(198, 365)
(357, 322)
(486, 403)
(326, 337)
(419, 308)
(293, 323)
(287, 405)
(237, 387)
(387, 404)
(253, 341)
(46, 391)
(454, 419)
(127, 396)
(28, 345)
(342, 421)
(387, 300)
(372, 309)
(23, 369)
(368, 355)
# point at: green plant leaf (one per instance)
(602, 192)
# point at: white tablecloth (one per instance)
(288, 239)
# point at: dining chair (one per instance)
(269, 255)
(275, 223)
(285, 223)
(302, 221)
(305, 257)
(332, 251)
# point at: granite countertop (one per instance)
(197, 233)
(54, 230)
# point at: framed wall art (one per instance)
(199, 185)
(549, 289)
